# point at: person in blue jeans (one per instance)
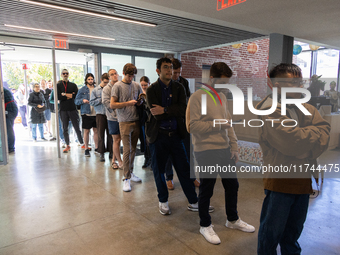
(285, 206)
(11, 110)
(37, 101)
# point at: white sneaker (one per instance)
(194, 207)
(240, 225)
(210, 235)
(164, 208)
(126, 185)
(135, 178)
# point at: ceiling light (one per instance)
(88, 13)
(59, 32)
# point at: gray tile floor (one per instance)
(75, 205)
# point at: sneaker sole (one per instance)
(196, 210)
(243, 230)
(163, 213)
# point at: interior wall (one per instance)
(245, 66)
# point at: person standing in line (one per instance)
(88, 114)
(144, 112)
(20, 98)
(215, 145)
(101, 119)
(299, 142)
(112, 120)
(37, 101)
(47, 93)
(124, 97)
(67, 92)
(11, 110)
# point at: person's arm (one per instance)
(114, 104)
(30, 103)
(174, 110)
(309, 141)
(79, 98)
(106, 97)
(95, 99)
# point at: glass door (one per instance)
(3, 136)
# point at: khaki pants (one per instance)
(129, 132)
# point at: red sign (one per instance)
(24, 66)
(60, 43)
(223, 4)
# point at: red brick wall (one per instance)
(249, 69)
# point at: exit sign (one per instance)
(223, 4)
(60, 44)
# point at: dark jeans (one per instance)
(101, 121)
(160, 151)
(65, 116)
(22, 110)
(206, 189)
(168, 167)
(10, 131)
(281, 222)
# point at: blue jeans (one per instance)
(22, 110)
(34, 130)
(161, 149)
(281, 222)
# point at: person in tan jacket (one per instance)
(294, 145)
(214, 146)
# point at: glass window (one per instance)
(147, 67)
(303, 60)
(327, 65)
(114, 61)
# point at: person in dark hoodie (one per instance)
(285, 206)
(37, 101)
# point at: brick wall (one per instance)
(248, 69)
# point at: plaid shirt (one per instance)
(11, 107)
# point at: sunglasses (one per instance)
(65, 73)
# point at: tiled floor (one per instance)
(75, 205)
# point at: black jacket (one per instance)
(34, 100)
(176, 109)
(67, 104)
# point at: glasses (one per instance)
(166, 67)
(295, 82)
(65, 73)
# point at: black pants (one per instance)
(206, 189)
(65, 116)
(102, 125)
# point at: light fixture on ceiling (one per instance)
(59, 32)
(89, 13)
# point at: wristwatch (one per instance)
(165, 109)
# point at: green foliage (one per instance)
(14, 74)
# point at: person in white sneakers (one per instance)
(124, 97)
(214, 145)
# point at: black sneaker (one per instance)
(87, 153)
(110, 155)
(44, 139)
(96, 150)
(102, 159)
(146, 163)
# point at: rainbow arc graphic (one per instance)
(208, 92)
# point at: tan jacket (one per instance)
(204, 135)
(281, 146)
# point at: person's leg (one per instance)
(34, 131)
(125, 133)
(41, 130)
(10, 133)
(134, 140)
(159, 153)
(116, 149)
(294, 226)
(109, 141)
(181, 164)
(274, 215)
(61, 132)
(22, 110)
(100, 121)
(74, 116)
(95, 137)
(169, 172)
(65, 119)
(86, 138)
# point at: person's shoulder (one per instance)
(182, 79)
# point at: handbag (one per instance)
(40, 110)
